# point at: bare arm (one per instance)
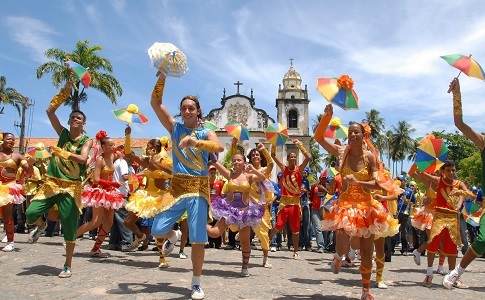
(222, 170)
(331, 148)
(156, 101)
(97, 169)
(55, 103)
(305, 153)
(276, 160)
(475, 137)
(256, 175)
(428, 177)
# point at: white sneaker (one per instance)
(428, 281)
(197, 292)
(417, 257)
(272, 249)
(182, 255)
(441, 270)
(244, 272)
(99, 254)
(35, 234)
(65, 273)
(5, 239)
(163, 264)
(381, 285)
(9, 248)
(167, 247)
(450, 279)
(352, 254)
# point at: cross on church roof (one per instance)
(238, 84)
(291, 61)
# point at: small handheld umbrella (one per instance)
(471, 213)
(39, 151)
(210, 125)
(431, 155)
(328, 201)
(130, 115)
(330, 172)
(238, 131)
(339, 91)
(168, 59)
(276, 134)
(465, 64)
(81, 72)
(336, 130)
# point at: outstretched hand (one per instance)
(328, 110)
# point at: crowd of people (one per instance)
(361, 213)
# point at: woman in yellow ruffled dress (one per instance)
(146, 203)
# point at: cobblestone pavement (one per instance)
(30, 272)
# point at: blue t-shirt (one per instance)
(402, 207)
(277, 193)
(304, 195)
(192, 161)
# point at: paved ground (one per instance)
(31, 273)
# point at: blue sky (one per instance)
(390, 48)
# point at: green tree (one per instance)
(401, 142)
(316, 158)
(376, 123)
(10, 96)
(459, 146)
(470, 169)
(85, 55)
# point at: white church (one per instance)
(291, 109)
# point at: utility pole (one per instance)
(25, 104)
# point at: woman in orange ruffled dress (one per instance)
(102, 194)
(355, 213)
(10, 191)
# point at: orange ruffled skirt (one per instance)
(423, 219)
(357, 218)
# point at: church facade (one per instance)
(291, 111)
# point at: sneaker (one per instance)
(128, 248)
(460, 285)
(417, 257)
(98, 254)
(197, 292)
(163, 264)
(140, 240)
(244, 272)
(441, 270)
(335, 265)
(381, 285)
(450, 279)
(319, 250)
(5, 239)
(65, 273)
(352, 254)
(296, 256)
(346, 263)
(272, 249)
(167, 247)
(182, 255)
(428, 281)
(366, 296)
(35, 234)
(9, 248)
(229, 247)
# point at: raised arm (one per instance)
(156, 101)
(56, 101)
(269, 160)
(275, 159)
(305, 153)
(256, 175)
(475, 137)
(222, 170)
(331, 148)
(428, 177)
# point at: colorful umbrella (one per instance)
(339, 91)
(277, 134)
(210, 125)
(336, 130)
(330, 172)
(327, 203)
(169, 59)
(130, 114)
(465, 64)
(237, 130)
(471, 213)
(39, 151)
(81, 72)
(431, 155)
(421, 140)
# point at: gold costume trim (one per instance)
(157, 92)
(60, 97)
(290, 184)
(442, 220)
(457, 109)
(288, 200)
(190, 160)
(54, 186)
(209, 146)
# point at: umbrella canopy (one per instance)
(39, 151)
(339, 91)
(465, 64)
(130, 115)
(431, 155)
(210, 125)
(277, 134)
(330, 172)
(168, 59)
(471, 213)
(238, 131)
(327, 203)
(81, 72)
(336, 130)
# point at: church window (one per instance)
(292, 119)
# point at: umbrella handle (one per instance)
(449, 90)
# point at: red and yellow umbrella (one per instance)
(471, 213)
(81, 72)
(431, 155)
(39, 151)
(276, 134)
(130, 115)
(330, 172)
(336, 130)
(465, 64)
(238, 131)
(339, 91)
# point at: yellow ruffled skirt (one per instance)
(145, 204)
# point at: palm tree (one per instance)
(401, 142)
(85, 55)
(376, 123)
(316, 157)
(10, 96)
